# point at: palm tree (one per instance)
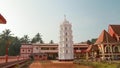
(6, 36)
(25, 39)
(37, 38)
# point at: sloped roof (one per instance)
(116, 29)
(89, 48)
(2, 20)
(105, 38)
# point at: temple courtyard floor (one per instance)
(55, 64)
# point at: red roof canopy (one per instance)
(2, 20)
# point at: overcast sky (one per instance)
(88, 17)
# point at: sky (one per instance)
(88, 17)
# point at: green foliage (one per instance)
(25, 39)
(98, 64)
(51, 42)
(93, 40)
(37, 38)
(89, 42)
(7, 40)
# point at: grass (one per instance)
(99, 64)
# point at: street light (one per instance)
(6, 60)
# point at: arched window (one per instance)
(107, 49)
(116, 49)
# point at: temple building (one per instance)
(64, 50)
(107, 46)
(109, 43)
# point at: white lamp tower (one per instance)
(65, 48)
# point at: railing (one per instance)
(51, 51)
(10, 58)
(13, 64)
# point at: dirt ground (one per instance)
(51, 64)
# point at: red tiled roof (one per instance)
(116, 29)
(105, 38)
(2, 20)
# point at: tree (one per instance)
(51, 42)
(37, 38)
(6, 37)
(88, 42)
(25, 39)
(15, 46)
(93, 40)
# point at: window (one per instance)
(37, 48)
(75, 48)
(23, 50)
(119, 38)
(28, 50)
(53, 48)
(66, 33)
(44, 48)
(65, 28)
(66, 45)
(66, 39)
(116, 49)
(66, 51)
(107, 49)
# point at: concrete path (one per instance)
(38, 64)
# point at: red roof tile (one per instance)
(105, 38)
(116, 29)
(2, 20)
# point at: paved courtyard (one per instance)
(55, 64)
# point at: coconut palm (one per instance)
(25, 39)
(37, 38)
(6, 36)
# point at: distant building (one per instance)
(50, 50)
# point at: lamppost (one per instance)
(6, 59)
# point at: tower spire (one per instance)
(64, 17)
